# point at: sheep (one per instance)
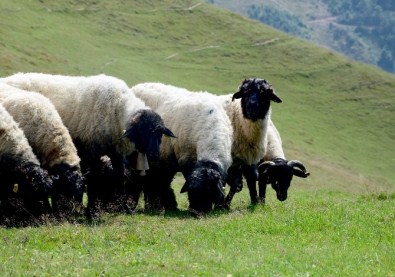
(51, 142)
(249, 111)
(103, 118)
(275, 169)
(202, 150)
(21, 175)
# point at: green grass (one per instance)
(313, 233)
(334, 109)
(337, 118)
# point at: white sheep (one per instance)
(103, 118)
(275, 169)
(51, 142)
(21, 175)
(249, 111)
(202, 150)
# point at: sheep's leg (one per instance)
(161, 194)
(116, 198)
(251, 175)
(169, 199)
(134, 187)
(93, 191)
(262, 184)
(158, 194)
(235, 182)
(262, 190)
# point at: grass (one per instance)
(333, 108)
(320, 233)
(337, 118)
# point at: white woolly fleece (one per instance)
(12, 139)
(202, 128)
(274, 148)
(95, 109)
(42, 125)
(250, 137)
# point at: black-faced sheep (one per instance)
(103, 118)
(274, 169)
(202, 150)
(51, 142)
(21, 176)
(249, 111)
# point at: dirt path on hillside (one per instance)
(325, 20)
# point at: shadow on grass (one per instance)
(185, 214)
(104, 216)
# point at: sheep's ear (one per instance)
(184, 188)
(237, 95)
(128, 133)
(275, 98)
(168, 133)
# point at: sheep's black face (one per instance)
(145, 131)
(256, 95)
(37, 182)
(67, 183)
(279, 173)
(35, 188)
(280, 176)
(205, 187)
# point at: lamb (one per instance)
(103, 118)
(202, 150)
(51, 142)
(21, 175)
(250, 113)
(275, 169)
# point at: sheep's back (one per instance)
(202, 128)
(42, 125)
(88, 106)
(12, 139)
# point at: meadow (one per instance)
(337, 118)
(313, 233)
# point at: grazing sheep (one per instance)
(20, 173)
(50, 141)
(202, 150)
(103, 118)
(249, 111)
(275, 169)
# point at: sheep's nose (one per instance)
(253, 100)
(281, 197)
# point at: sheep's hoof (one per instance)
(220, 207)
(262, 201)
(226, 206)
(196, 214)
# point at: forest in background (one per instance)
(363, 30)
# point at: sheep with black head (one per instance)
(52, 144)
(275, 169)
(21, 176)
(202, 150)
(250, 113)
(104, 118)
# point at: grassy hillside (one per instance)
(361, 30)
(309, 235)
(337, 115)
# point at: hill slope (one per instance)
(337, 115)
(362, 30)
